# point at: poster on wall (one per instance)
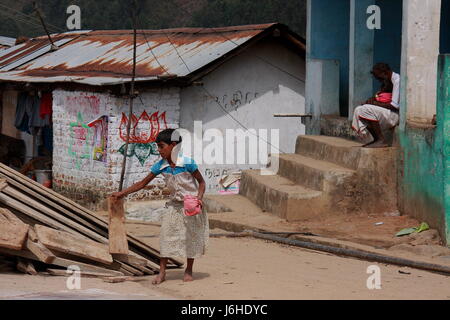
(100, 138)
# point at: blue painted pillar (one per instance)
(361, 54)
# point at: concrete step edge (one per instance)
(319, 165)
(291, 191)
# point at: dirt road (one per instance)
(244, 268)
(247, 268)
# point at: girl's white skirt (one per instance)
(183, 236)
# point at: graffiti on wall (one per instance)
(88, 140)
(213, 176)
(236, 99)
(88, 105)
(143, 132)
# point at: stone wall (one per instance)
(89, 138)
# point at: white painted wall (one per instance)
(420, 50)
(75, 172)
(251, 90)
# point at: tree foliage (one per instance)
(18, 18)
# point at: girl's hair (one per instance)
(168, 136)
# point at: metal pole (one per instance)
(130, 115)
(355, 253)
(38, 11)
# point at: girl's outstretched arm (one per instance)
(201, 183)
(135, 187)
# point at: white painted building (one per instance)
(227, 78)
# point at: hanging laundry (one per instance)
(45, 110)
(35, 120)
(28, 113)
(22, 118)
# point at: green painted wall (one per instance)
(424, 189)
(443, 109)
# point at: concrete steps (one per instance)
(312, 173)
(326, 176)
(280, 196)
(342, 152)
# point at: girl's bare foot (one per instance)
(159, 278)
(188, 276)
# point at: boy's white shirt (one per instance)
(396, 90)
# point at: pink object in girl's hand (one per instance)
(192, 206)
(384, 97)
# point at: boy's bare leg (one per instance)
(162, 272)
(379, 141)
(188, 272)
(375, 130)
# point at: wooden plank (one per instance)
(122, 279)
(26, 267)
(51, 204)
(38, 249)
(12, 175)
(118, 242)
(149, 271)
(32, 235)
(60, 262)
(131, 269)
(52, 214)
(86, 274)
(75, 245)
(139, 247)
(126, 272)
(113, 266)
(37, 216)
(3, 184)
(15, 175)
(13, 232)
(19, 206)
(19, 253)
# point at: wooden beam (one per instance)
(137, 245)
(80, 229)
(121, 279)
(118, 243)
(3, 184)
(75, 245)
(133, 260)
(61, 262)
(86, 274)
(53, 205)
(38, 249)
(13, 232)
(26, 267)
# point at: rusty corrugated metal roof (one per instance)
(106, 57)
(6, 42)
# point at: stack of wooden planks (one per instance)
(42, 230)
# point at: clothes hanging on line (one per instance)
(28, 113)
(45, 110)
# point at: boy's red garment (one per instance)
(46, 105)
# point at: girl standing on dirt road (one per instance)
(184, 227)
